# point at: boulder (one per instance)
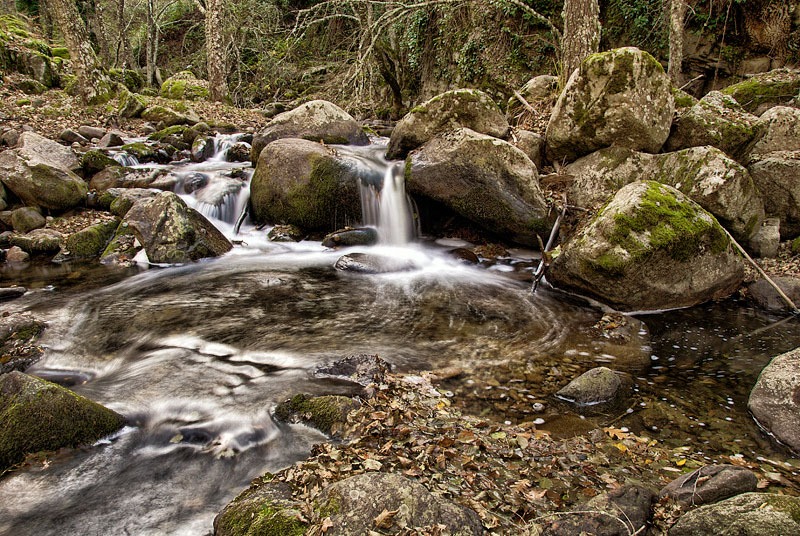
(531, 144)
(317, 120)
(123, 177)
(89, 132)
(710, 484)
(18, 335)
(111, 139)
(486, 180)
(716, 120)
(362, 236)
(119, 200)
(537, 90)
(749, 514)
(775, 175)
(775, 399)
(368, 263)
(130, 105)
(621, 97)
(596, 391)
(285, 233)
(595, 178)
(361, 369)
(650, 248)
(88, 243)
(765, 90)
(355, 503)
(265, 509)
(27, 219)
(39, 415)
(327, 413)
(39, 241)
(767, 239)
(123, 247)
(16, 254)
(184, 86)
(69, 136)
(303, 183)
(460, 108)
(766, 297)
(41, 173)
(202, 148)
(778, 130)
(95, 161)
(162, 115)
(171, 232)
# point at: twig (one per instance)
(539, 273)
(525, 103)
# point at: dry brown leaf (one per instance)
(385, 519)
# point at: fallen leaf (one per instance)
(385, 519)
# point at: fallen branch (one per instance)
(539, 273)
(525, 103)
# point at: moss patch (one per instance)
(321, 412)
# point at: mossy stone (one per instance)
(96, 160)
(140, 150)
(184, 85)
(91, 241)
(321, 412)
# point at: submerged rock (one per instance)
(775, 399)
(363, 369)
(366, 263)
(356, 502)
(171, 232)
(317, 120)
(650, 248)
(460, 108)
(326, 413)
(597, 390)
(620, 97)
(39, 415)
(303, 183)
(710, 484)
(486, 180)
(749, 514)
(362, 236)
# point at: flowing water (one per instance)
(197, 356)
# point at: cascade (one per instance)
(125, 159)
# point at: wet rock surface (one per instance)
(749, 514)
(710, 484)
(775, 399)
(369, 263)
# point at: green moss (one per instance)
(329, 508)
(682, 99)
(321, 412)
(790, 505)
(140, 150)
(796, 246)
(266, 519)
(754, 92)
(175, 130)
(92, 241)
(60, 52)
(96, 160)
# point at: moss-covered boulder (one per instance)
(650, 248)
(171, 232)
(122, 248)
(22, 53)
(778, 130)
(27, 219)
(774, 88)
(95, 160)
(304, 183)
(132, 79)
(38, 242)
(459, 108)
(621, 97)
(265, 509)
(775, 175)
(325, 413)
(486, 180)
(130, 105)
(39, 415)
(18, 335)
(355, 503)
(595, 178)
(162, 115)
(775, 399)
(88, 243)
(317, 120)
(717, 120)
(142, 151)
(41, 173)
(749, 514)
(184, 86)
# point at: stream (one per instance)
(197, 356)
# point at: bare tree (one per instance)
(581, 34)
(93, 84)
(677, 15)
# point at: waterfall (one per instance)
(222, 143)
(127, 160)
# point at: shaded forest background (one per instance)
(379, 57)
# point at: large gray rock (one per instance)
(775, 175)
(650, 248)
(467, 108)
(171, 232)
(621, 97)
(355, 502)
(596, 390)
(39, 415)
(778, 130)
(41, 173)
(304, 183)
(710, 484)
(749, 514)
(775, 399)
(765, 296)
(705, 174)
(317, 120)
(765, 90)
(716, 120)
(484, 179)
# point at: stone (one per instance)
(596, 390)
(10, 138)
(165, 116)
(532, 144)
(749, 514)
(766, 297)
(16, 254)
(123, 247)
(621, 512)
(70, 136)
(778, 130)
(238, 152)
(709, 484)
(265, 509)
(361, 369)
(325, 413)
(285, 233)
(537, 90)
(130, 105)
(362, 236)
(27, 219)
(316, 120)
(39, 415)
(717, 120)
(597, 177)
(90, 132)
(766, 240)
(775, 176)
(355, 502)
(486, 180)
(12, 293)
(460, 108)
(39, 241)
(184, 86)
(650, 248)
(303, 183)
(19, 333)
(773, 88)
(775, 400)
(620, 97)
(95, 161)
(40, 173)
(202, 148)
(111, 139)
(367, 263)
(171, 232)
(88, 243)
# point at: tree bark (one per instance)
(93, 85)
(151, 46)
(215, 51)
(581, 35)
(677, 14)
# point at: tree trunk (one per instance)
(677, 14)
(93, 85)
(581, 35)
(101, 33)
(215, 51)
(151, 48)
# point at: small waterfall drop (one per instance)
(125, 159)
